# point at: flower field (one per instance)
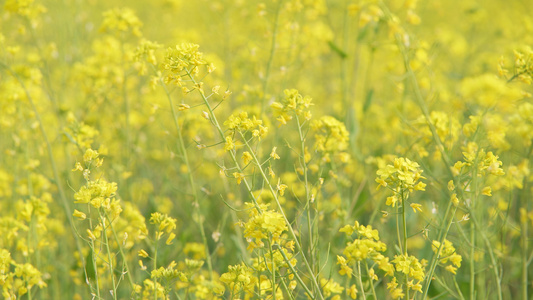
(266, 149)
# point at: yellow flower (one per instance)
(416, 206)
(238, 176)
(487, 191)
(170, 238)
(292, 103)
(121, 20)
(91, 235)
(281, 188)
(451, 269)
(454, 199)
(273, 154)
(143, 253)
(89, 155)
(391, 201)
(77, 167)
(183, 107)
(246, 157)
(229, 144)
(331, 135)
(239, 277)
(345, 269)
(80, 215)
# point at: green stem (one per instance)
(109, 258)
(297, 276)
(273, 270)
(360, 277)
(436, 256)
(446, 159)
(350, 114)
(249, 188)
(308, 199)
(371, 283)
(400, 244)
(271, 56)
(459, 293)
(289, 225)
(181, 146)
(124, 259)
(404, 226)
(93, 257)
(404, 223)
(491, 255)
(472, 262)
(524, 239)
(155, 262)
(265, 178)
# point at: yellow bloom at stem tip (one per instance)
(416, 206)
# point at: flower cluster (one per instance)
(447, 255)
(523, 65)
(401, 178)
(411, 267)
(145, 52)
(121, 20)
(366, 246)
(169, 273)
(403, 175)
(263, 225)
(165, 224)
(277, 259)
(239, 277)
(243, 123)
(330, 135)
(292, 103)
(26, 8)
(18, 281)
(182, 61)
(329, 286)
(483, 162)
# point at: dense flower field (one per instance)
(274, 149)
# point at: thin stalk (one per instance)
(436, 256)
(181, 146)
(109, 258)
(29, 290)
(400, 244)
(460, 294)
(287, 291)
(124, 260)
(273, 268)
(524, 239)
(491, 255)
(472, 263)
(360, 277)
(350, 117)
(271, 56)
(127, 106)
(447, 288)
(297, 276)
(289, 225)
(93, 257)
(371, 283)
(308, 199)
(446, 159)
(265, 178)
(404, 223)
(155, 262)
